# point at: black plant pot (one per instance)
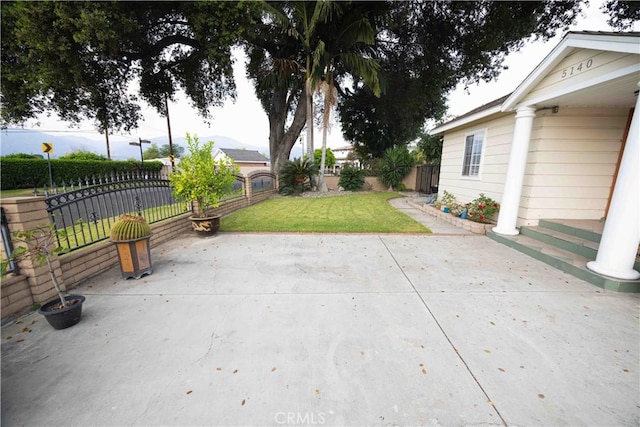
(66, 317)
(207, 226)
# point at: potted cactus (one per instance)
(131, 234)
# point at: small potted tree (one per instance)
(40, 244)
(131, 235)
(200, 179)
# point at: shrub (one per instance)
(83, 155)
(30, 173)
(296, 176)
(22, 156)
(329, 160)
(447, 199)
(395, 165)
(482, 209)
(351, 178)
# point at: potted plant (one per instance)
(40, 244)
(131, 235)
(200, 179)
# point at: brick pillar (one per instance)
(247, 189)
(23, 214)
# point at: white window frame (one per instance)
(472, 159)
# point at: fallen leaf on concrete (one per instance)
(487, 351)
(242, 403)
(317, 391)
(541, 396)
(236, 371)
(190, 391)
(501, 370)
(625, 370)
(273, 369)
(424, 371)
(218, 369)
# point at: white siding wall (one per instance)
(493, 166)
(570, 166)
(571, 162)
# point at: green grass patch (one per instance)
(354, 213)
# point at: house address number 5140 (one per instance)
(577, 68)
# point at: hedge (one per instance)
(31, 173)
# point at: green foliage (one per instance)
(296, 176)
(22, 156)
(622, 13)
(83, 155)
(395, 165)
(130, 227)
(198, 177)
(39, 243)
(30, 173)
(79, 58)
(425, 49)
(431, 147)
(330, 158)
(482, 209)
(351, 178)
(447, 200)
(155, 152)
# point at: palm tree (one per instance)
(353, 32)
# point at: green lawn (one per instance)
(354, 213)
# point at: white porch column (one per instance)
(515, 172)
(621, 234)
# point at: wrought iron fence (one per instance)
(83, 213)
(262, 181)
(237, 191)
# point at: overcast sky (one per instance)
(246, 121)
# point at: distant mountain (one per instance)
(30, 141)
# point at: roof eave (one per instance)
(466, 120)
(572, 41)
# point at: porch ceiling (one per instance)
(613, 93)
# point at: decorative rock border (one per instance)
(474, 227)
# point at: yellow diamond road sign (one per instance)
(172, 159)
(47, 147)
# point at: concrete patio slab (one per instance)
(293, 329)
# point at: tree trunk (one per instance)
(106, 136)
(281, 141)
(309, 101)
(321, 185)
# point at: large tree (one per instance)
(80, 58)
(426, 49)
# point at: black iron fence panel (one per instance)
(7, 244)
(262, 181)
(85, 215)
(237, 190)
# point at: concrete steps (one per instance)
(567, 248)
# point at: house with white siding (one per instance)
(247, 160)
(564, 145)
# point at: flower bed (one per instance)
(474, 227)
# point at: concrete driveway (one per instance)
(306, 329)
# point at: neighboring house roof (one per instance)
(626, 42)
(244, 156)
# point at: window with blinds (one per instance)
(472, 154)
